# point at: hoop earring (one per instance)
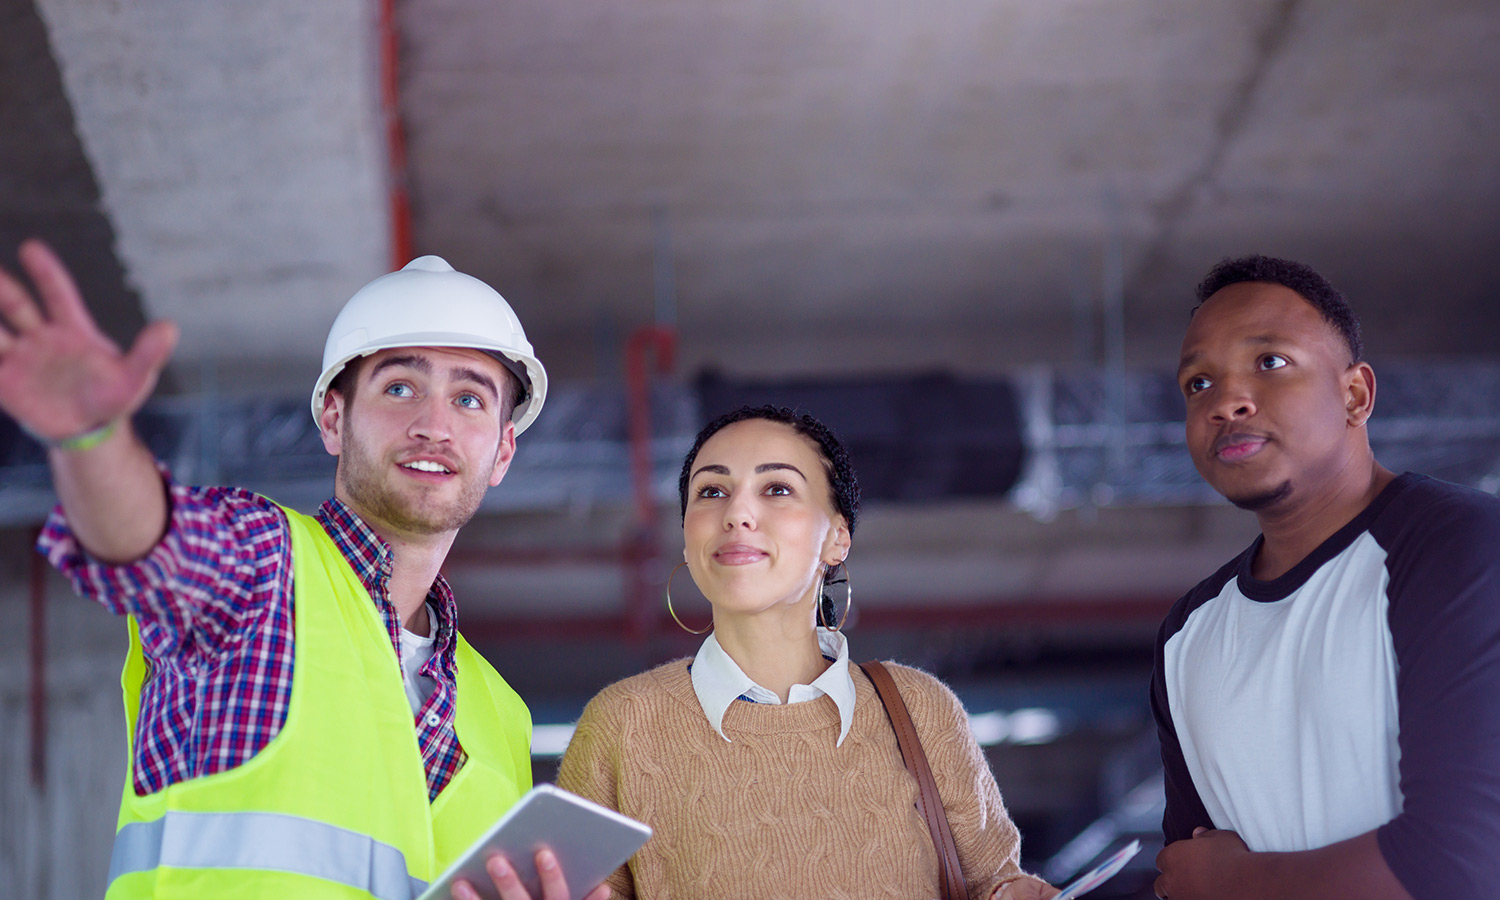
(849, 592)
(673, 612)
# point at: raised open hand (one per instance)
(59, 375)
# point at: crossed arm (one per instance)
(1444, 619)
(1216, 865)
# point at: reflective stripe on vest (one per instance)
(337, 805)
(256, 840)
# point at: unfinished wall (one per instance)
(55, 837)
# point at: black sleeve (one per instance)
(1184, 807)
(1444, 565)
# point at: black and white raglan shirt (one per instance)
(1359, 690)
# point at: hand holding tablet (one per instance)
(507, 883)
(585, 841)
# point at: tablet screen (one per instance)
(589, 840)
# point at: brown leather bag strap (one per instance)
(950, 875)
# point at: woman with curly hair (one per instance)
(767, 764)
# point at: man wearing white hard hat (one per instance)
(305, 719)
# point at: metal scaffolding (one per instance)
(1098, 440)
(1091, 439)
(574, 457)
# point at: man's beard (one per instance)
(374, 498)
(1262, 500)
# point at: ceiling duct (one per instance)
(1049, 440)
(911, 438)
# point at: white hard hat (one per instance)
(427, 304)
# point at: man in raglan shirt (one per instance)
(305, 719)
(1329, 701)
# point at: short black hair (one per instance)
(843, 484)
(1299, 277)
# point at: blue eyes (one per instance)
(404, 390)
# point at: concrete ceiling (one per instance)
(837, 187)
(240, 159)
(849, 185)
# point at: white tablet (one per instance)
(590, 842)
(1100, 873)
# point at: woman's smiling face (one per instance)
(760, 522)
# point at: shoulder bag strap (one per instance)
(950, 875)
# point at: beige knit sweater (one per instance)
(779, 811)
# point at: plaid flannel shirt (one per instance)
(213, 600)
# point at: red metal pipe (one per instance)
(490, 629)
(641, 548)
(1055, 611)
(481, 557)
(636, 555)
(1052, 611)
(37, 698)
(390, 107)
(663, 340)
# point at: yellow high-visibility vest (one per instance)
(335, 806)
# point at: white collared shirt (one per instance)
(719, 681)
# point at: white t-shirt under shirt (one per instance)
(415, 652)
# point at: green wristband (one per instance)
(91, 438)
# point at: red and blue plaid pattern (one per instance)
(214, 605)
